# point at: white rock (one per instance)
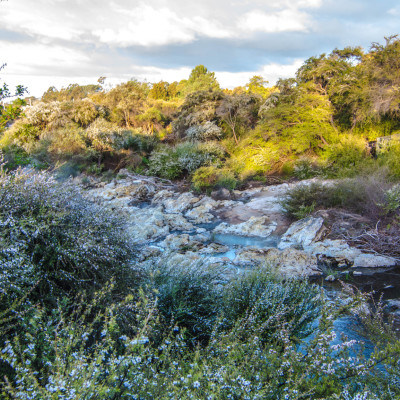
(286, 263)
(177, 222)
(180, 204)
(373, 261)
(302, 233)
(255, 226)
(337, 249)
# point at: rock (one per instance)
(214, 248)
(302, 233)
(199, 215)
(147, 224)
(180, 242)
(148, 252)
(161, 196)
(202, 236)
(180, 204)
(255, 226)
(336, 249)
(221, 194)
(345, 255)
(330, 278)
(288, 263)
(373, 261)
(177, 222)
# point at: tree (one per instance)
(5, 90)
(239, 110)
(200, 79)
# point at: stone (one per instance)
(373, 261)
(302, 233)
(178, 222)
(254, 226)
(214, 248)
(287, 263)
(337, 249)
(146, 224)
(180, 242)
(221, 194)
(180, 204)
(330, 278)
(161, 196)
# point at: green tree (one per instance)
(200, 79)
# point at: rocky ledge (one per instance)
(236, 230)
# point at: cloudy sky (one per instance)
(57, 42)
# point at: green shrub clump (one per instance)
(176, 162)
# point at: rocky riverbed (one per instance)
(235, 230)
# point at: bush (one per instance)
(363, 195)
(207, 178)
(263, 304)
(51, 235)
(204, 132)
(175, 162)
(187, 297)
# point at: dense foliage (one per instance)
(169, 332)
(323, 122)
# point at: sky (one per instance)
(57, 42)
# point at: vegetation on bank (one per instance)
(323, 122)
(75, 327)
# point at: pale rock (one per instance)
(179, 242)
(147, 224)
(149, 252)
(373, 261)
(302, 233)
(254, 226)
(337, 249)
(161, 196)
(178, 222)
(288, 263)
(180, 204)
(330, 278)
(214, 248)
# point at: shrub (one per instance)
(51, 235)
(84, 112)
(263, 304)
(175, 162)
(188, 296)
(363, 195)
(205, 178)
(204, 132)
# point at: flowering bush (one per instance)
(174, 162)
(51, 234)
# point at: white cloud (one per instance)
(22, 58)
(289, 20)
(148, 26)
(271, 72)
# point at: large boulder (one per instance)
(182, 242)
(200, 213)
(302, 233)
(254, 226)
